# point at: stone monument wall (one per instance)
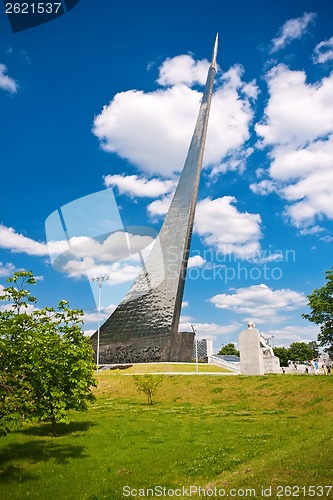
(251, 355)
(177, 347)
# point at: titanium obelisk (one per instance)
(144, 327)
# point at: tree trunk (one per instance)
(54, 426)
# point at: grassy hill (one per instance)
(236, 434)
(170, 368)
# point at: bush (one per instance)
(148, 384)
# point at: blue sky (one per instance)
(104, 100)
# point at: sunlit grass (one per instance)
(168, 368)
(229, 432)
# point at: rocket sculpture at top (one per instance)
(144, 327)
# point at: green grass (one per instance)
(228, 432)
(170, 368)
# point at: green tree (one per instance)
(301, 351)
(148, 384)
(16, 398)
(314, 348)
(228, 349)
(283, 354)
(46, 362)
(16, 393)
(321, 304)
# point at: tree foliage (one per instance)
(229, 349)
(321, 304)
(297, 351)
(46, 362)
(148, 384)
(283, 354)
(302, 351)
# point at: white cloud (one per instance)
(92, 317)
(139, 186)
(166, 120)
(160, 147)
(298, 126)
(185, 303)
(83, 256)
(160, 207)
(229, 121)
(183, 69)
(284, 336)
(271, 257)
(6, 82)
(292, 29)
(87, 267)
(296, 111)
(260, 302)
(84, 252)
(327, 238)
(17, 243)
(29, 309)
(196, 261)
(6, 269)
(263, 187)
(209, 329)
(312, 196)
(323, 51)
(260, 172)
(88, 333)
(312, 230)
(221, 225)
(188, 320)
(235, 161)
(110, 308)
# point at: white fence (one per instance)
(229, 365)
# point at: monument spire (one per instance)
(213, 63)
(144, 327)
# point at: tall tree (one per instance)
(321, 304)
(301, 351)
(283, 354)
(314, 348)
(16, 392)
(45, 360)
(229, 349)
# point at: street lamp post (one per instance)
(196, 349)
(100, 280)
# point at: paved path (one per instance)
(181, 373)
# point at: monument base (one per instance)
(272, 364)
(256, 355)
(176, 347)
(251, 355)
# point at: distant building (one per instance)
(204, 347)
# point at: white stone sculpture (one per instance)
(256, 355)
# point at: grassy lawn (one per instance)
(208, 431)
(170, 368)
